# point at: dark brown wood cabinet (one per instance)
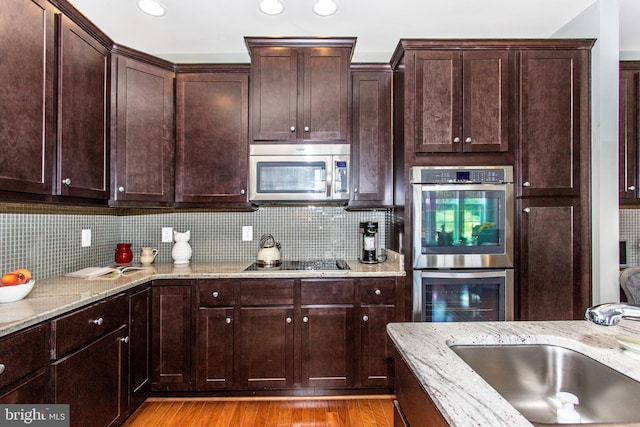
(371, 143)
(457, 96)
(139, 375)
(327, 333)
(91, 362)
(24, 366)
(300, 89)
(552, 183)
(214, 350)
(629, 102)
(265, 336)
(27, 42)
(171, 332)
(83, 111)
(212, 143)
(142, 137)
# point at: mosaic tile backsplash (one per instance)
(46, 239)
(630, 231)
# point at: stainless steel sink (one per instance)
(529, 376)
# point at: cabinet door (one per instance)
(143, 136)
(486, 107)
(266, 347)
(27, 108)
(212, 138)
(83, 85)
(93, 381)
(554, 284)
(214, 349)
(327, 351)
(438, 101)
(376, 364)
(371, 156)
(139, 347)
(171, 337)
(628, 135)
(34, 389)
(554, 122)
(274, 94)
(325, 98)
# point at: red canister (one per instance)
(123, 253)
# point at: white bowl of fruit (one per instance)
(15, 285)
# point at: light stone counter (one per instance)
(462, 396)
(58, 295)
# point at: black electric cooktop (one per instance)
(323, 264)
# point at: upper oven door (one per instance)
(463, 225)
(290, 178)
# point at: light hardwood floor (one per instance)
(361, 411)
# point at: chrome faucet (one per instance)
(611, 313)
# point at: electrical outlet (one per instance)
(85, 239)
(247, 233)
(167, 234)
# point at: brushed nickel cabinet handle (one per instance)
(289, 320)
(228, 320)
(99, 321)
(215, 294)
(365, 318)
(121, 189)
(456, 140)
(306, 129)
(468, 140)
(2, 368)
(526, 184)
(305, 319)
(526, 210)
(632, 188)
(66, 181)
(242, 191)
(292, 129)
(125, 339)
(378, 292)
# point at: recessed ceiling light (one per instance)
(152, 7)
(271, 7)
(325, 7)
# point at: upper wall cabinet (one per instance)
(27, 108)
(212, 147)
(142, 134)
(83, 88)
(628, 131)
(300, 89)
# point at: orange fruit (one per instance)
(12, 279)
(26, 273)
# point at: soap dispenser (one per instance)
(566, 413)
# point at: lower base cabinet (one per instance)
(139, 346)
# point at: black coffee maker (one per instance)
(369, 242)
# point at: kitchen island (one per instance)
(461, 396)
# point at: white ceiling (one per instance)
(213, 30)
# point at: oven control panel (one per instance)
(462, 175)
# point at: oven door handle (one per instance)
(463, 274)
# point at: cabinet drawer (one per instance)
(80, 327)
(266, 292)
(315, 292)
(378, 291)
(24, 352)
(215, 293)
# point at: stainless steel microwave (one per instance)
(299, 173)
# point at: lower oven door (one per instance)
(462, 295)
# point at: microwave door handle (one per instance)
(329, 182)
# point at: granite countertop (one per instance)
(461, 395)
(54, 296)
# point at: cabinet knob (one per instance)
(355, 190)
(125, 339)
(468, 140)
(121, 189)
(365, 318)
(215, 294)
(292, 129)
(2, 368)
(228, 320)
(305, 319)
(631, 188)
(99, 321)
(66, 181)
(526, 210)
(378, 292)
(306, 129)
(456, 139)
(289, 320)
(242, 191)
(526, 184)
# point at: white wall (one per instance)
(601, 21)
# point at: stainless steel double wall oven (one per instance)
(462, 250)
